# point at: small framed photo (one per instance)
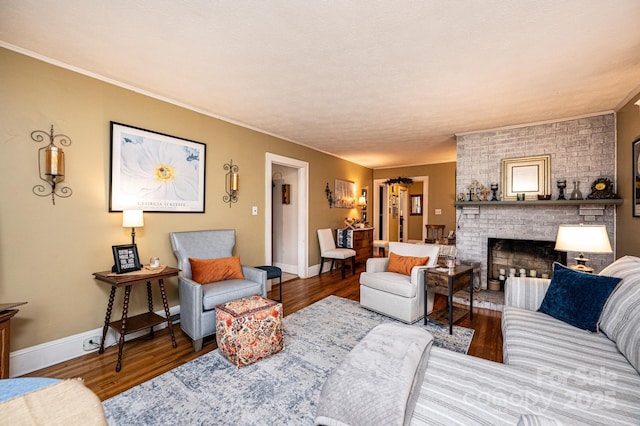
(126, 258)
(636, 178)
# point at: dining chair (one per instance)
(328, 250)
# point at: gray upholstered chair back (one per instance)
(201, 245)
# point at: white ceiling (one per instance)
(380, 83)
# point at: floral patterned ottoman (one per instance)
(249, 329)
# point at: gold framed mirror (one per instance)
(530, 176)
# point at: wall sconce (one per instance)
(329, 194)
(52, 158)
(132, 219)
(231, 183)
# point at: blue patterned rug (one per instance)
(282, 389)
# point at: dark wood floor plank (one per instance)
(146, 358)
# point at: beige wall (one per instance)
(627, 226)
(442, 188)
(47, 253)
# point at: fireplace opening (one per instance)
(531, 257)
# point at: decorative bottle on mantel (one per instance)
(576, 194)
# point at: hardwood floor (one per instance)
(146, 358)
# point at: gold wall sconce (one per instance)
(231, 183)
(51, 165)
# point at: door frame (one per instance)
(302, 192)
(385, 205)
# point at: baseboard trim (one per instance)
(46, 354)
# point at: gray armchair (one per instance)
(198, 301)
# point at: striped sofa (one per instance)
(553, 373)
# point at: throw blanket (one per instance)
(378, 382)
(345, 238)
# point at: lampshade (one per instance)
(132, 219)
(583, 238)
(362, 201)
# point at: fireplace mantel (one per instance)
(539, 203)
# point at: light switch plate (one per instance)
(254, 210)
(438, 212)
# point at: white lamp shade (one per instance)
(583, 238)
(362, 201)
(132, 218)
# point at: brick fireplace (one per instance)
(581, 149)
(517, 254)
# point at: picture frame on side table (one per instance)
(635, 149)
(125, 258)
(155, 172)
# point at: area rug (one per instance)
(281, 389)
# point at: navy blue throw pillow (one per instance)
(577, 298)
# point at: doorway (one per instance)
(384, 223)
(287, 224)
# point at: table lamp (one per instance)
(583, 238)
(132, 219)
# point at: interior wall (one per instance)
(441, 189)
(285, 220)
(48, 253)
(627, 226)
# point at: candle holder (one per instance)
(52, 158)
(231, 183)
(494, 190)
(562, 184)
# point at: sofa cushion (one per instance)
(625, 299)
(389, 282)
(223, 291)
(211, 270)
(404, 264)
(577, 298)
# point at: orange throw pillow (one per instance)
(404, 264)
(204, 271)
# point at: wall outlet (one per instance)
(254, 210)
(91, 343)
(438, 212)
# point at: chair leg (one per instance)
(344, 263)
(197, 345)
(332, 260)
(321, 264)
(353, 265)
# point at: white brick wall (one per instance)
(581, 150)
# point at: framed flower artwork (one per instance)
(155, 172)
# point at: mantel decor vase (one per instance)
(576, 194)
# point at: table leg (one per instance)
(123, 326)
(450, 304)
(166, 312)
(150, 304)
(426, 297)
(471, 294)
(107, 318)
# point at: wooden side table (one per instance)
(137, 322)
(6, 313)
(447, 283)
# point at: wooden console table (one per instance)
(138, 322)
(447, 283)
(363, 244)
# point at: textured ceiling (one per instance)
(380, 83)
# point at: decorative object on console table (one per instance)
(52, 158)
(155, 172)
(231, 183)
(601, 188)
(125, 258)
(583, 238)
(137, 322)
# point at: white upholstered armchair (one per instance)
(397, 295)
(198, 301)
